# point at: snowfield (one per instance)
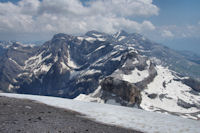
(172, 91)
(141, 120)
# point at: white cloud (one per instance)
(125, 7)
(167, 34)
(175, 32)
(71, 16)
(29, 6)
(184, 31)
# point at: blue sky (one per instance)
(177, 12)
(181, 13)
(175, 23)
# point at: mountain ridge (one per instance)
(124, 69)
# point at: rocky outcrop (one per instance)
(194, 84)
(186, 105)
(152, 74)
(129, 93)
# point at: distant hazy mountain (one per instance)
(191, 56)
(124, 69)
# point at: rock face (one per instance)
(195, 85)
(123, 68)
(12, 59)
(123, 92)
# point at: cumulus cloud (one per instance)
(125, 7)
(48, 17)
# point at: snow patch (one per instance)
(34, 62)
(56, 59)
(70, 62)
(97, 35)
(136, 76)
(90, 72)
(121, 38)
(90, 39)
(103, 46)
(101, 39)
(64, 66)
(15, 63)
(119, 47)
(62, 38)
(45, 68)
(117, 58)
(80, 38)
(10, 87)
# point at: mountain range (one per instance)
(123, 68)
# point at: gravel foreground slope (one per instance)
(25, 116)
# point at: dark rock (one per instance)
(152, 74)
(152, 96)
(164, 84)
(39, 118)
(122, 89)
(185, 104)
(194, 84)
(161, 96)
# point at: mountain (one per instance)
(124, 69)
(191, 56)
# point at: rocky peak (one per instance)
(121, 33)
(92, 32)
(61, 36)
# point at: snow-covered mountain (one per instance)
(123, 69)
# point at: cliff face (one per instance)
(121, 91)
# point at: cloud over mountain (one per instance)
(74, 16)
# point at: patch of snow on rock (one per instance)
(103, 46)
(135, 76)
(97, 35)
(90, 72)
(121, 38)
(90, 39)
(117, 58)
(70, 62)
(101, 39)
(10, 87)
